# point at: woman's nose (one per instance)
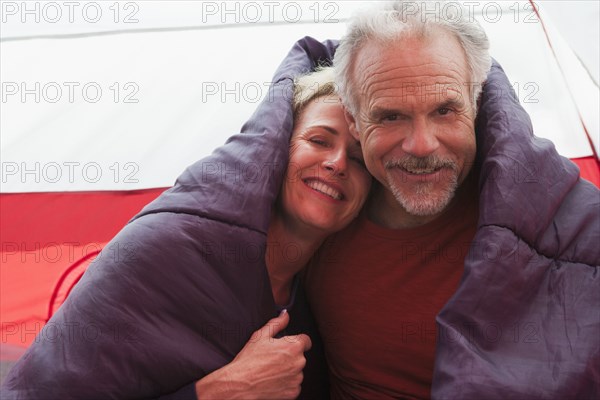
(336, 164)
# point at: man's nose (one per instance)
(422, 140)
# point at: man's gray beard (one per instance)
(423, 202)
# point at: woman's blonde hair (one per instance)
(313, 85)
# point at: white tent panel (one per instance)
(582, 84)
(154, 101)
(523, 51)
(56, 18)
(131, 110)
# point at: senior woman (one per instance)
(210, 262)
(325, 188)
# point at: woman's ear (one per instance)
(351, 124)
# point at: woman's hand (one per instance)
(266, 368)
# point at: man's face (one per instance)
(415, 119)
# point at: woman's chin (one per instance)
(319, 217)
(326, 224)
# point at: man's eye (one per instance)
(391, 117)
(444, 111)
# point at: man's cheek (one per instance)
(371, 164)
(366, 134)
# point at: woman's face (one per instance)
(326, 183)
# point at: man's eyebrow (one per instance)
(451, 103)
(380, 112)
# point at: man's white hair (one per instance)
(394, 20)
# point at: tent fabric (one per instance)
(193, 288)
(589, 168)
(48, 240)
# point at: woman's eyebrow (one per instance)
(325, 128)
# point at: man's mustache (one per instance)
(429, 163)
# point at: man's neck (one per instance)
(384, 210)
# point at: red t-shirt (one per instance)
(375, 293)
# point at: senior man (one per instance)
(474, 222)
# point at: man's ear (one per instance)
(351, 124)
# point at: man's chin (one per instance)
(422, 208)
(425, 202)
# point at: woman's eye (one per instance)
(358, 160)
(318, 141)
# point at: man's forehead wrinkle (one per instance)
(404, 70)
(381, 90)
(375, 76)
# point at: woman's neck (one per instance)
(288, 250)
